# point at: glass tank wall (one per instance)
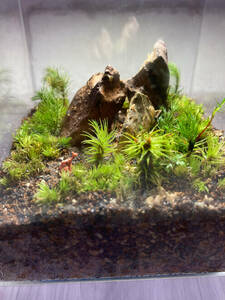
(101, 233)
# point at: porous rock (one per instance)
(140, 115)
(101, 98)
(104, 94)
(153, 78)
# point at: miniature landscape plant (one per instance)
(38, 137)
(197, 151)
(175, 77)
(59, 82)
(147, 149)
(46, 195)
(221, 184)
(99, 142)
(182, 144)
(102, 170)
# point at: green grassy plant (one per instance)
(148, 149)
(175, 77)
(105, 177)
(216, 109)
(58, 81)
(51, 111)
(116, 176)
(66, 184)
(18, 170)
(197, 151)
(99, 143)
(46, 195)
(4, 181)
(221, 184)
(38, 137)
(200, 186)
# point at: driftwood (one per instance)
(104, 94)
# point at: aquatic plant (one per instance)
(99, 143)
(116, 176)
(188, 126)
(4, 181)
(197, 152)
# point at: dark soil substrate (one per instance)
(167, 230)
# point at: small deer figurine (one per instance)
(66, 164)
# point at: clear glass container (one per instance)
(176, 226)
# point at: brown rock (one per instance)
(141, 114)
(153, 77)
(101, 98)
(104, 94)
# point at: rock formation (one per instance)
(140, 115)
(104, 94)
(153, 78)
(101, 98)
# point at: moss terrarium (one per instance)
(126, 180)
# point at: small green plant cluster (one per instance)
(103, 169)
(150, 151)
(221, 184)
(38, 137)
(99, 142)
(46, 195)
(174, 78)
(197, 153)
(182, 144)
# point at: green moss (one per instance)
(221, 184)
(174, 77)
(200, 186)
(4, 181)
(46, 195)
(110, 176)
(37, 138)
(182, 144)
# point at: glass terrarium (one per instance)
(111, 138)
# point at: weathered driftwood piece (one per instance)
(104, 94)
(101, 98)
